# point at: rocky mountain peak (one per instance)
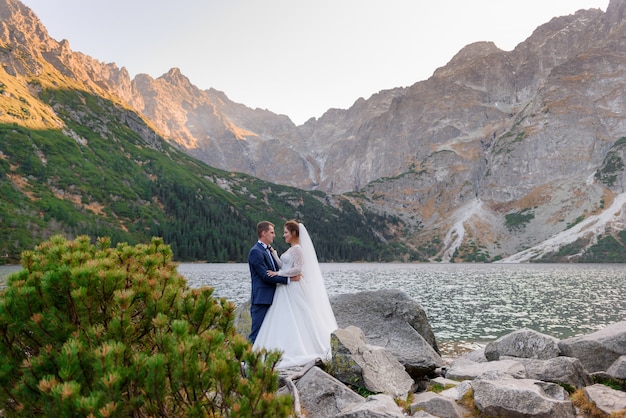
(473, 51)
(30, 31)
(175, 78)
(616, 11)
(496, 152)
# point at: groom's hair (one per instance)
(262, 227)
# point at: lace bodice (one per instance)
(291, 261)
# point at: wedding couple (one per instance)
(289, 305)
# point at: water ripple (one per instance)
(464, 302)
(469, 302)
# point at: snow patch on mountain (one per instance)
(613, 217)
(455, 235)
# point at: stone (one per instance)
(525, 343)
(375, 406)
(380, 371)
(436, 404)
(599, 350)
(322, 396)
(462, 369)
(442, 381)
(391, 319)
(423, 414)
(477, 356)
(344, 365)
(560, 370)
(608, 400)
(521, 398)
(458, 392)
(618, 368)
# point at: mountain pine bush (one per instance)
(93, 331)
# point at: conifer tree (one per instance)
(93, 331)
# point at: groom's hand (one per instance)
(296, 277)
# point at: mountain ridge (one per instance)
(77, 159)
(495, 153)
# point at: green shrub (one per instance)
(611, 167)
(518, 220)
(90, 330)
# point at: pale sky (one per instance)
(292, 57)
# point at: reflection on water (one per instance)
(468, 302)
(6, 271)
(464, 302)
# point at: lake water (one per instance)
(466, 303)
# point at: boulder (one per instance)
(436, 404)
(599, 350)
(443, 382)
(423, 414)
(525, 343)
(462, 369)
(477, 355)
(391, 319)
(521, 398)
(452, 389)
(375, 406)
(608, 400)
(618, 368)
(344, 366)
(458, 392)
(322, 396)
(560, 370)
(377, 370)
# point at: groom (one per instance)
(263, 286)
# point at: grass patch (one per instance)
(518, 220)
(585, 405)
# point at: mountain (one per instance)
(496, 153)
(77, 159)
(499, 155)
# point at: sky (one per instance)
(293, 57)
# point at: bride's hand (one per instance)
(271, 273)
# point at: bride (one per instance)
(300, 320)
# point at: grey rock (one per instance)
(477, 356)
(561, 370)
(375, 406)
(618, 368)
(378, 370)
(322, 396)
(344, 366)
(521, 398)
(423, 414)
(436, 404)
(442, 381)
(391, 319)
(608, 400)
(599, 350)
(525, 343)
(462, 369)
(458, 392)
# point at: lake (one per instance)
(465, 303)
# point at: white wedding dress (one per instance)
(300, 320)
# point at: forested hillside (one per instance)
(106, 173)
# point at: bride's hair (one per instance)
(293, 227)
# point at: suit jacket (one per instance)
(263, 285)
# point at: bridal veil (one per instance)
(315, 289)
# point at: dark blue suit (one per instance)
(263, 286)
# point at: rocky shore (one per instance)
(386, 350)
